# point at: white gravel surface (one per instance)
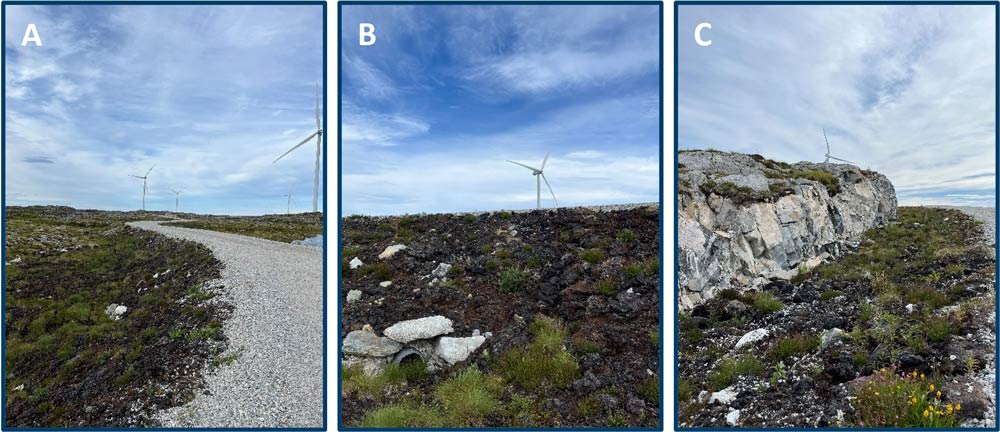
(277, 327)
(987, 376)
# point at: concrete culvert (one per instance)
(407, 355)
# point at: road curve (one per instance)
(277, 327)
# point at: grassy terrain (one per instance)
(281, 228)
(67, 363)
(912, 291)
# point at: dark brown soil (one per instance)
(548, 245)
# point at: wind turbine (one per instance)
(828, 156)
(539, 176)
(144, 184)
(319, 146)
(177, 198)
(288, 210)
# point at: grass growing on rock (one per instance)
(544, 361)
(280, 228)
(77, 366)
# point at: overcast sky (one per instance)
(447, 93)
(907, 91)
(211, 94)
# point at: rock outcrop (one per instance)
(744, 220)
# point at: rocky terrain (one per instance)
(529, 319)
(896, 329)
(744, 220)
(277, 227)
(105, 324)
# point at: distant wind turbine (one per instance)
(828, 155)
(319, 146)
(539, 176)
(144, 184)
(177, 198)
(288, 210)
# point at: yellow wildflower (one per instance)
(958, 407)
(939, 394)
(926, 413)
(940, 412)
(876, 393)
(950, 408)
(883, 370)
(932, 387)
(913, 400)
(921, 377)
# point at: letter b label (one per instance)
(366, 34)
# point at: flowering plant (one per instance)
(889, 398)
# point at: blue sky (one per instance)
(447, 93)
(211, 94)
(903, 90)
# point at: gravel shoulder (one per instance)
(275, 332)
(986, 377)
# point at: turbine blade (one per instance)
(827, 142)
(550, 189)
(521, 164)
(151, 168)
(545, 160)
(319, 125)
(842, 160)
(296, 146)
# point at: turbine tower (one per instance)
(828, 155)
(539, 176)
(177, 198)
(144, 177)
(319, 146)
(288, 210)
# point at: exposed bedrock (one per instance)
(744, 220)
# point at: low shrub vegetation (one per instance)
(544, 361)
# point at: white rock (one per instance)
(830, 337)
(475, 332)
(910, 308)
(390, 251)
(385, 284)
(454, 350)
(752, 337)
(355, 263)
(19, 388)
(703, 396)
(441, 270)
(353, 296)
(420, 328)
(115, 311)
(724, 396)
(629, 291)
(733, 418)
(488, 334)
(120, 310)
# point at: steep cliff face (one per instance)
(744, 219)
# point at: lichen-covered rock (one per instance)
(420, 328)
(751, 337)
(744, 220)
(390, 251)
(362, 343)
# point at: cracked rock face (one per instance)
(769, 221)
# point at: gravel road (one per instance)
(277, 327)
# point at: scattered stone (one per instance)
(363, 343)
(733, 418)
(911, 308)
(355, 263)
(723, 397)
(830, 337)
(385, 284)
(475, 332)
(390, 251)
(353, 296)
(629, 291)
(115, 311)
(488, 334)
(441, 270)
(751, 337)
(703, 396)
(734, 308)
(19, 388)
(368, 328)
(421, 328)
(454, 350)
